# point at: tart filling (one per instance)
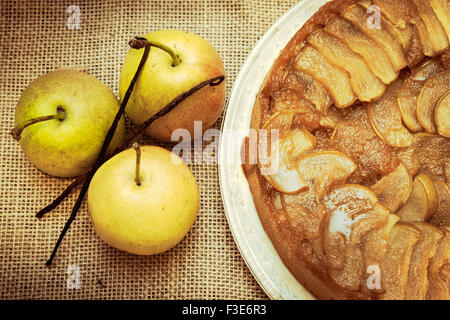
(357, 198)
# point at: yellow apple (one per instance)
(148, 217)
(69, 145)
(161, 81)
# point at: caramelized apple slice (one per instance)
(444, 274)
(385, 118)
(304, 217)
(336, 80)
(286, 180)
(433, 89)
(437, 287)
(402, 34)
(333, 117)
(429, 153)
(422, 203)
(431, 192)
(424, 38)
(436, 31)
(415, 51)
(293, 141)
(398, 11)
(375, 58)
(445, 59)
(281, 121)
(394, 189)
(410, 90)
(375, 245)
(312, 90)
(402, 12)
(409, 160)
(442, 115)
(442, 216)
(355, 137)
(406, 35)
(432, 151)
(358, 16)
(395, 265)
(304, 213)
(447, 170)
(324, 169)
(346, 204)
(364, 83)
(442, 10)
(353, 272)
(278, 160)
(328, 122)
(351, 212)
(424, 250)
(292, 100)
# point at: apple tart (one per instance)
(357, 198)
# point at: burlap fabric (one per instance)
(34, 39)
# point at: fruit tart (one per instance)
(352, 177)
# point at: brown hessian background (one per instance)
(35, 39)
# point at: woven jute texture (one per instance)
(35, 39)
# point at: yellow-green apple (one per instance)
(61, 120)
(143, 202)
(182, 61)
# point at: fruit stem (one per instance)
(137, 176)
(17, 130)
(139, 43)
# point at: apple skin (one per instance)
(160, 83)
(146, 219)
(69, 147)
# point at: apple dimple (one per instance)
(180, 61)
(61, 110)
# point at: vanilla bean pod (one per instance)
(101, 155)
(78, 181)
(131, 138)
